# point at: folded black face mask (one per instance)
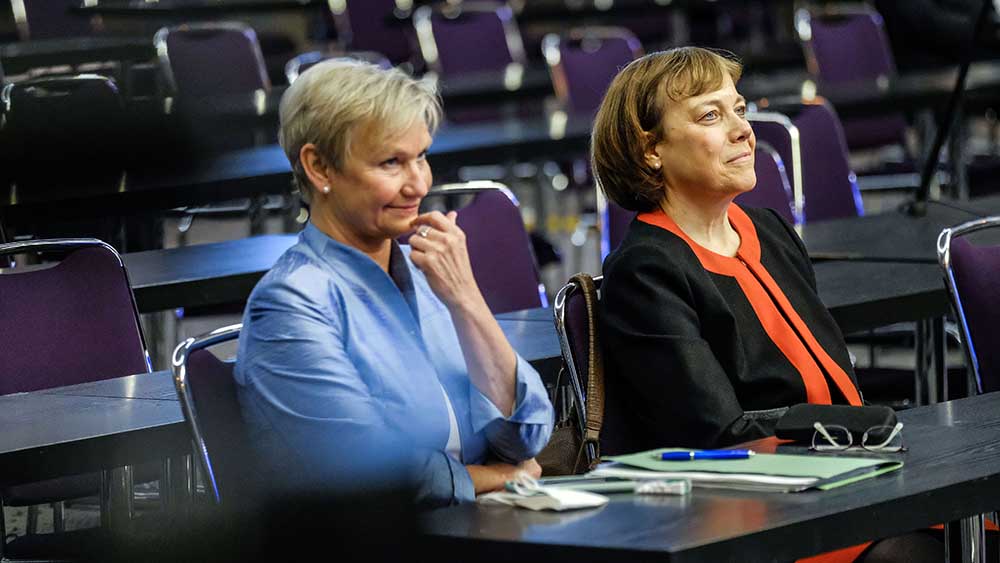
(798, 423)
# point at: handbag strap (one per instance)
(595, 369)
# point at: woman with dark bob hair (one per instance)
(710, 321)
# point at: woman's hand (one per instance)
(489, 478)
(440, 252)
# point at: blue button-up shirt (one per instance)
(340, 369)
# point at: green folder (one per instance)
(765, 472)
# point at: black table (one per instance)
(204, 274)
(895, 236)
(952, 471)
(19, 57)
(129, 420)
(860, 294)
(142, 8)
(265, 170)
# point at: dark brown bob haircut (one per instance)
(630, 118)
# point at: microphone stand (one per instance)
(918, 207)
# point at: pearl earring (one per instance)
(325, 189)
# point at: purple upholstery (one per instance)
(473, 41)
(500, 252)
(577, 323)
(829, 186)
(777, 136)
(616, 221)
(852, 47)
(220, 423)
(772, 190)
(48, 19)
(72, 323)
(975, 269)
(364, 23)
(214, 59)
(588, 62)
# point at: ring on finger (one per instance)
(422, 231)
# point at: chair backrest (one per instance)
(49, 19)
(500, 251)
(82, 115)
(970, 272)
(576, 324)
(468, 37)
(208, 397)
(365, 25)
(71, 323)
(614, 223)
(583, 62)
(778, 132)
(301, 63)
(847, 44)
(829, 185)
(773, 189)
(211, 59)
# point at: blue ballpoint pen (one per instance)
(706, 454)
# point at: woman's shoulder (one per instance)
(770, 225)
(297, 277)
(646, 245)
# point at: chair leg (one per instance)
(3, 532)
(31, 526)
(58, 517)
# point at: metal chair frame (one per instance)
(559, 313)
(803, 27)
(69, 245)
(796, 205)
(163, 54)
(428, 44)
(553, 42)
(798, 191)
(944, 259)
(179, 367)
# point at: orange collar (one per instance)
(749, 250)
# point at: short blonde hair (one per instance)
(631, 115)
(334, 99)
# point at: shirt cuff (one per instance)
(526, 431)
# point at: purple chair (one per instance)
(207, 394)
(773, 189)
(845, 45)
(499, 247)
(778, 132)
(363, 26)
(829, 185)
(585, 60)
(85, 117)
(576, 324)
(302, 63)
(211, 59)
(71, 323)
(614, 223)
(970, 272)
(812, 148)
(476, 36)
(48, 19)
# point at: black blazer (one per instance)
(687, 360)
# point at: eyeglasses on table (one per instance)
(833, 438)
